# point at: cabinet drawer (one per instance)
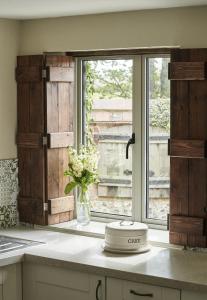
(139, 291)
(127, 290)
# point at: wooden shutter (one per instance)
(187, 147)
(45, 98)
(59, 126)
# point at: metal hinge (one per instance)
(44, 73)
(45, 206)
(168, 221)
(44, 140)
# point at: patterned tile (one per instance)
(8, 192)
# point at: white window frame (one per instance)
(139, 128)
(155, 223)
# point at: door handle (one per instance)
(140, 294)
(130, 142)
(97, 289)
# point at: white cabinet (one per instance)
(188, 295)
(127, 290)
(11, 282)
(42, 282)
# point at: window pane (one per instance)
(108, 120)
(158, 120)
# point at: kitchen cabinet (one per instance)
(127, 290)
(11, 282)
(189, 295)
(42, 282)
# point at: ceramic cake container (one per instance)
(126, 237)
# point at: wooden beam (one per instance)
(188, 225)
(187, 71)
(29, 74)
(60, 205)
(29, 140)
(114, 52)
(59, 74)
(187, 148)
(60, 139)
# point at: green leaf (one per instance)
(70, 186)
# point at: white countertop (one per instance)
(161, 266)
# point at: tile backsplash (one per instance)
(8, 192)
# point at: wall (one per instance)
(9, 47)
(167, 27)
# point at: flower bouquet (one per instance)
(82, 169)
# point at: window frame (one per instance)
(139, 124)
(155, 223)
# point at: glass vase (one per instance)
(83, 208)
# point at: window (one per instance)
(120, 96)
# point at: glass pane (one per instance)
(108, 121)
(158, 163)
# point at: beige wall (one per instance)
(168, 27)
(9, 46)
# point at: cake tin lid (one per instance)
(126, 226)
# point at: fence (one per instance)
(112, 128)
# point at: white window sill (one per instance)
(97, 229)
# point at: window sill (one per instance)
(97, 229)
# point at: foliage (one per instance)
(82, 168)
(154, 83)
(159, 114)
(89, 92)
(112, 78)
(164, 82)
(158, 78)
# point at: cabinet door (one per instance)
(188, 295)
(126, 290)
(11, 282)
(46, 282)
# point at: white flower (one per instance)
(77, 167)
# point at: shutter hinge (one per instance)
(44, 73)
(45, 206)
(168, 222)
(44, 140)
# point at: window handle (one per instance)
(97, 289)
(130, 142)
(140, 294)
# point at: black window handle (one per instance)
(130, 142)
(140, 294)
(97, 289)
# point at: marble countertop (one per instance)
(161, 266)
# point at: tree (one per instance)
(154, 83)
(112, 78)
(164, 82)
